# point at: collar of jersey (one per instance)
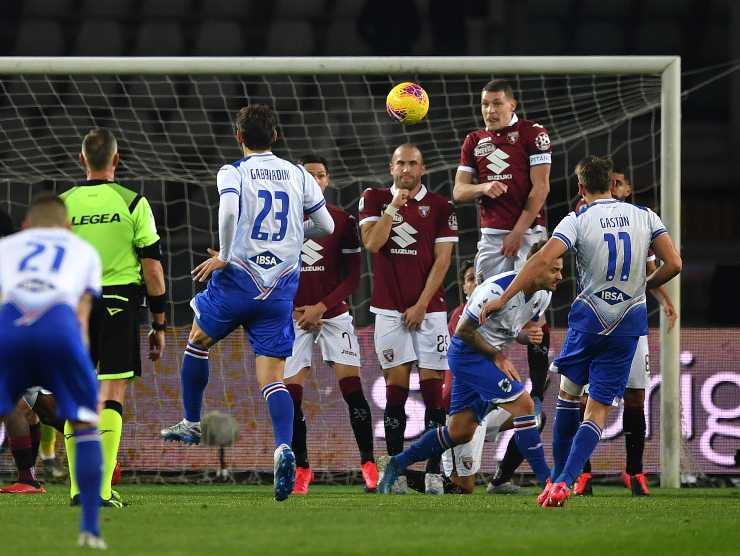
(96, 182)
(604, 201)
(514, 120)
(418, 197)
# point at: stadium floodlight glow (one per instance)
(174, 119)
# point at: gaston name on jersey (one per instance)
(401, 267)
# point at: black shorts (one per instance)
(114, 332)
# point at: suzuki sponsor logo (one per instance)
(310, 252)
(404, 235)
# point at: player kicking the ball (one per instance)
(606, 319)
(330, 272)
(482, 375)
(411, 233)
(254, 278)
(48, 278)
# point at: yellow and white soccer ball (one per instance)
(408, 103)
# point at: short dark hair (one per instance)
(536, 247)
(47, 210)
(98, 148)
(257, 124)
(313, 158)
(595, 173)
(466, 265)
(499, 85)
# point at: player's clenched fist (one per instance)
(400, 198)
(494, 189)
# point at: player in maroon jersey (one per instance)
(330, 272)
(411, 233)
(505, 167)
(633, 416)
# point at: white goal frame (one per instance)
(668, 67)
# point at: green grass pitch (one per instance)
(332, 520)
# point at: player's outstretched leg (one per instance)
(194, 379)
(88, 475)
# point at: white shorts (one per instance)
(489, 261)
(465, 459)
(395, 344)
(336, 338)
(639, 378)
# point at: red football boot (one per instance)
(583, 485)
(303, 478)
(627, 480)
(559, 493)
(639, 485)
(370, 475)
(23, 488)
(542, 498)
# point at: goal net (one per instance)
(175, 129)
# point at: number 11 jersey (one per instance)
(611, 239)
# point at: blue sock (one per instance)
(432, 443)
(194, 377)
(584, 444)
(567, 419)
(528, 440)
(280, 406)
(88, 472)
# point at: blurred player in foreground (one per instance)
(633, 417)
(411, 233)
(254, 278)
(330, 272)
(483, 375)
(48, 278)
(607, 318)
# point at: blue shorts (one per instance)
(602, 362)
(477, 381)
(47, 353)
(228, 302)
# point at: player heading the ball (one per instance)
(254, 278)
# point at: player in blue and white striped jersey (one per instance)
(611, 239)
(254, 277)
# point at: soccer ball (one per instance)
(408, 103)
(219, 429)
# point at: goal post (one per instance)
(665, 70)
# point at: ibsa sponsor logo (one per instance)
(612, 296)
(266, 260)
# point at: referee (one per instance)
(120, 225)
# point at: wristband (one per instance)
(159, 327)
(391, 211)
(157, 303)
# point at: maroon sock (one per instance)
(349, 385)
(431, 392)
(359, 416)
(296, 392)
(20, 447)
(394, 418)
(434, 415)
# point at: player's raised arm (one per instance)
(375, 224)
(535, 265)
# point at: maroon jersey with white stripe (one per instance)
(401, 267)
(506, 155)
(327, 262)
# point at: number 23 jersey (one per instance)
(611, 239)
(274, 195)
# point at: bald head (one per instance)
(407, 150)
(99, 150)
(46, 211)
(407, 167)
